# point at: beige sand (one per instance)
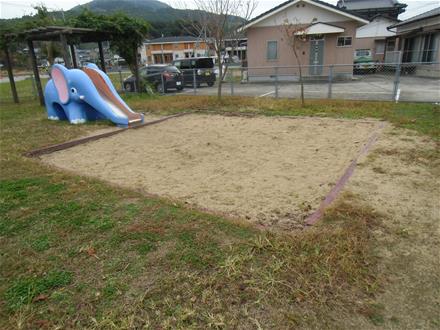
(271, 171)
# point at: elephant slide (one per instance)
(88, 94)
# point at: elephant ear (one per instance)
(60, 82)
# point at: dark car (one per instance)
(200, 67)
(161, 77)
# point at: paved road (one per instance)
(368, 87)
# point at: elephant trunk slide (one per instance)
(88, 94)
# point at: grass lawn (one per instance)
(78, 252)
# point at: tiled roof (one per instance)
(427, 14)
(368, 4)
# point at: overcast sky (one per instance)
(18, 8)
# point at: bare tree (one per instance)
(218, 21)
(295, 35)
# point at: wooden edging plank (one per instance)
(343, 180)
(70, 144)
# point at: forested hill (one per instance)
(150, 10)
(164, 19)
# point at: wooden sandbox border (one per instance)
(69, 144)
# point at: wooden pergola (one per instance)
(67, 36)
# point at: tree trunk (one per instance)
(300, 76)
(220, 76)
(302, 86)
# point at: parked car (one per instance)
(203, 67)
(363, 61)
(161, 77)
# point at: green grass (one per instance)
(77, 252)
(24, 290)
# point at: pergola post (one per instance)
(72, 51)
(136, 71)
(10, 74)
(65, 51)
(36, 73)
(101, 56)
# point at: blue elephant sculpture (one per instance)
(88, 94)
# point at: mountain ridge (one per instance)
(150, 10)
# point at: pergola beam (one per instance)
(68, 36)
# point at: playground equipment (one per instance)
(88, 94)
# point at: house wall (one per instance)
(259, 36)
(300, 12)
(175, 50)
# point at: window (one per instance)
(428, 48)
(362, 53)
(204, 63)
(343, 42)
(171, 68)
(380, 46)
(272, 50)
(185, 65)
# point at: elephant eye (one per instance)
(73, 90)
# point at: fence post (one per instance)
(396, 91)
(163, 83)
(330, 81)
(276, 82)
(231, 77)
(194, 81)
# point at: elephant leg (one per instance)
(55, 111)
(76, 113)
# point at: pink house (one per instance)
(331, 36)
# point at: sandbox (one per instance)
(272, 171)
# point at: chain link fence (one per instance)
(388, 81)
(412, 82)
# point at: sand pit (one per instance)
(272, 171)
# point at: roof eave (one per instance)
(291, 3)
(413, 21)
